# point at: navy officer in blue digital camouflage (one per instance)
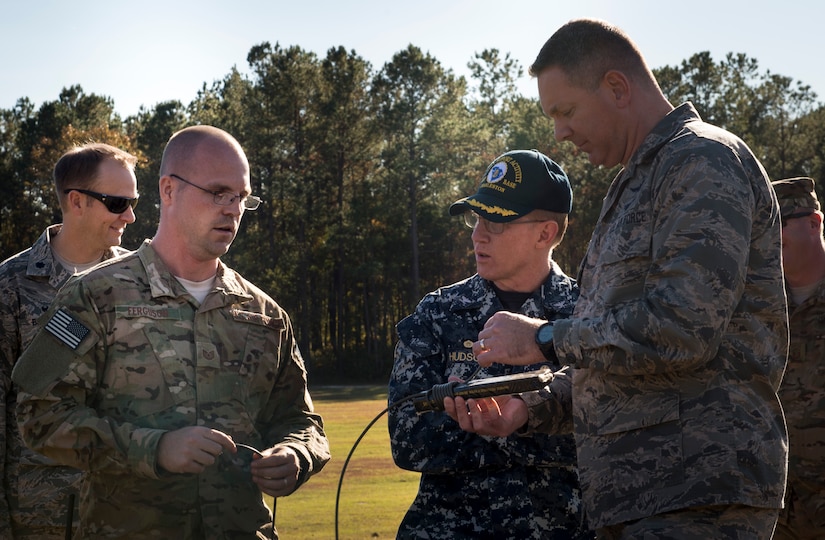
(473, 486)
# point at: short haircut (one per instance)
(181, 149)
(78, 168)
(586, 49)
(561, 220)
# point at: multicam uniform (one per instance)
(679, 338)
(474, 486)
(803, 394)
(36, 489)
(136, 357)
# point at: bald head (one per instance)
(187, 147)
(195, 228)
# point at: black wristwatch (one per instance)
(544, 339)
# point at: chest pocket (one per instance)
(249, 376)
(149, 373)
(621, 258)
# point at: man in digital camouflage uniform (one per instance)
(148, 370)
(803, 388)
(475, 487)
(679, 338)
(37, 490)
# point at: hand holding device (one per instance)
(433, 399)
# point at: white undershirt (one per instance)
(800, 294)
(73, 267)
(198, 289)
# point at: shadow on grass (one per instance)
(348, 392)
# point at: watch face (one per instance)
(545, 334)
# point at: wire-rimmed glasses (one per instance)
(471, 220)
(225, 198)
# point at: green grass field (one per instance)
(375, 493)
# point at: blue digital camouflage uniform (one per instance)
(803, 394)
(475, 487)
(137, 357)
(36, 489)
(679, 338)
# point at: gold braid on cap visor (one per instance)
(492, 209)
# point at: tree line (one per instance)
(357, 165)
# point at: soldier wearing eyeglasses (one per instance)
(474, 486)
(148, 370)
(38, 491)
(803, 387)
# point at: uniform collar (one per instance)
(162, 282)
(43, 264)
(664, 131)
(480, 292)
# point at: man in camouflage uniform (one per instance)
(803, 388)
(477, 487)
(148, 370)
(37, 491)
(679, 339)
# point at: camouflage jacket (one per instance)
(35, 488)
(679, 338)
(434, 344)
(803, 396)
(126, 354)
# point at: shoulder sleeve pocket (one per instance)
(49, 356)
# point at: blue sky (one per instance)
(143, 53)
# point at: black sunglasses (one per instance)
(115, 205)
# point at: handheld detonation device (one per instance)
(433, 399)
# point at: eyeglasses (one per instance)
(794, 216)
(115, 205)
(225, 198)
(471, 220)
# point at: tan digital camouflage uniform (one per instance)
(36, 489)
(475, 487)
(803, 394)
(136, 357)
(679, 337)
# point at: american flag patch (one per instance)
(66, 328)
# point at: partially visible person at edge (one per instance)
(148, 370)
(679, 339)
(477, 487)
(803, 389)
(96, 188)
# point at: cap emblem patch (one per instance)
(497, 172)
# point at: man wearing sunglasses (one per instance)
(473, 486)
(159, 362)
(803, 387)
(97, 190)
